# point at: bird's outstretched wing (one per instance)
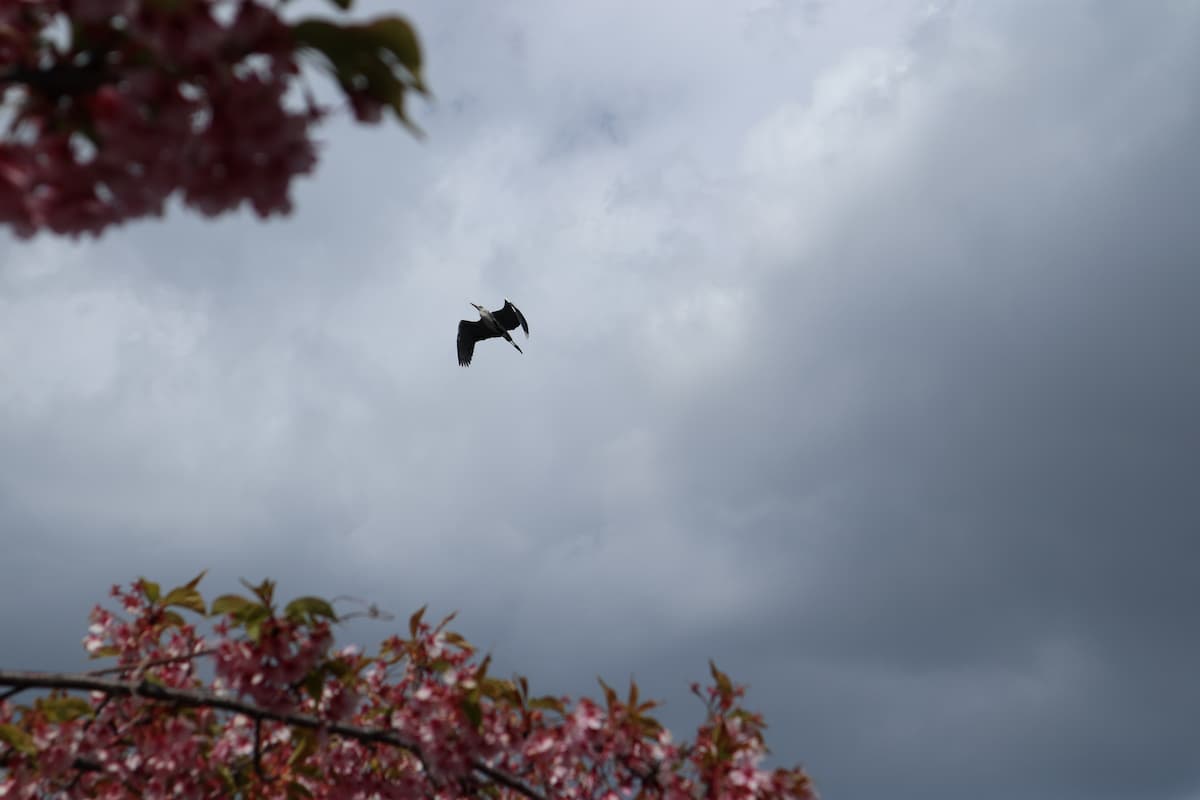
(468, 334)
(510, 317)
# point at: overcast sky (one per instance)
(865, 359)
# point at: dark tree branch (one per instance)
(19, 681)
(13, 692)
(60, 79)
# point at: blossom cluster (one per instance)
(283, 713)
(113, 106)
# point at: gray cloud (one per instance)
(863, 360)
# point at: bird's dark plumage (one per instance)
(510, 317)
(491, 324)
(468, 334)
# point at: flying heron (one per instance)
(489, 325)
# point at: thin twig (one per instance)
(96, 713)
(158, 662)
(258, 750)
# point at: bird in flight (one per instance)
(489, 325)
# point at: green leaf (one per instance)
(151, 590)
(173, 618)
(230, 604)
(253, 626)
(396, 35)
(185, 597)
(194, 582)
(383, 85)
(414, 622)
(548, 704)
(473, 711)
(105, 652)
(721, 740)
(344, 671)
(499, 690)
(314, 684)
(306, 747)
(724, 685)
(265, 591)
(610, 695)
(335, 41)
(350, 46)
(227, 776)
(458, 641)
(17, 739)
(65, 709)
(295, 789)
(381, 59)
(649, 725)
(309, 608)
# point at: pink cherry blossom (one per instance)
(149, 100)
(285, 714)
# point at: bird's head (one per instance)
(478, 307)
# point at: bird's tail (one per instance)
(514, 344)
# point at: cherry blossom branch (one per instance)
(21, 680)
(157, 662)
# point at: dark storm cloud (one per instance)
(970, 422)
